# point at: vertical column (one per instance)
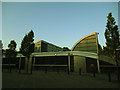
(19, 69)
(34, 63)
(69, 61)
(26, 64)
(98, 65)
(30, 64)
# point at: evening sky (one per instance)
(59, 23)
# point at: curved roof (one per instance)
(38, 41)
(95, 33)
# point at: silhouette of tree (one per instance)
(1, 46)
(27, 46)
(66, 49)
(11, 53)
(112, 36)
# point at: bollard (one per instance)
(19, 67)
(79, 71)
(109, 77)
(31, 69)
(10, 68)
(46, 70)
(68, 71)
(118, 76)
(58, 71)
(93, 73)
(19, 70)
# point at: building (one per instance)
(83, 55)
(43, 46)
(89, 43)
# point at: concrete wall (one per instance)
(79, 62)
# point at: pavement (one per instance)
(52, 79)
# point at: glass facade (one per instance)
(42, 46)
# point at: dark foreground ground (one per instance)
(57, 80)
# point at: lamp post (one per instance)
(98, 65)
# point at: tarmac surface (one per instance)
(52, 79)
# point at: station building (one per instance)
(83, 54)
(43, 46)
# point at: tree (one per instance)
(112, 33)
(12, 45)
(106, 51)
(11, 53)
(27, 46)
(112, 36)
(1, 46)
(66, 49)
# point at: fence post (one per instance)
(93, 73)
(45, 70)
(118, 76)
(68, 71)
(10, 68)
(79, 71)
(109, 77)
(58, 70)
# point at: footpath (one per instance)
(52, 79)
